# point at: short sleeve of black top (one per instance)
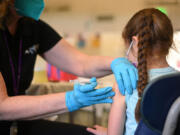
(47, 37)
(37, 37)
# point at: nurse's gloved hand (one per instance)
(126, 75)
(86, 95)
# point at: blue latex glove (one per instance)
(126, 75)
(86, 95)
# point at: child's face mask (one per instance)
(135, 64)
(128, 52)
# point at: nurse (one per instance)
(22, 37)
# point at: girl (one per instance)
(149, 34)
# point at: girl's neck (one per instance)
(157, 62)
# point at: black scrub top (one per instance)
(37, 37)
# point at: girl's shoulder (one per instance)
(154, 73)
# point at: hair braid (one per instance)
(145, 38)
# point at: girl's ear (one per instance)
(135, 44)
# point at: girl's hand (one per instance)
(98, 130)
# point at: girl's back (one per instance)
(131, 100)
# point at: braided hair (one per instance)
(155, 34)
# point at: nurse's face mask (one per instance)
(29, 8)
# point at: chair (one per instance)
(160, 107)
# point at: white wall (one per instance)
(82, 18)
(83, 12)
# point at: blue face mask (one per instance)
(29, 8)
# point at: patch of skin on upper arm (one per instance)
(117, 91)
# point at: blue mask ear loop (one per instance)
(131, 44)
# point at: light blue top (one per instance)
(131, 100)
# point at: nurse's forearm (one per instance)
(43, 116)
(98, 66)
(31, 107)
(71, 60)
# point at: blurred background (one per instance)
(95, 27)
